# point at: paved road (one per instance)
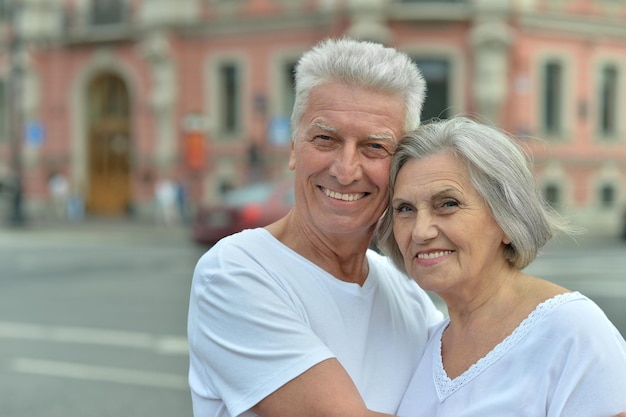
(92, 321)
(594, 266)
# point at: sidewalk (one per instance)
(585, 240)
(96, 228)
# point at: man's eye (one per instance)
(324, 141)
(378, 150)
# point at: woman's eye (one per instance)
(402, 208)
(448, 205)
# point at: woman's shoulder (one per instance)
(572, 315)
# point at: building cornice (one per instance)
(430, 12)
(582, 26)
(253, 24)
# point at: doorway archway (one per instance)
(108, 146)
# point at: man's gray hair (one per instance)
(362, 64)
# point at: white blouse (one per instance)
(565, 359)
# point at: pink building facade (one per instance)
(119, 94)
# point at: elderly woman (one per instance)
(466, 218)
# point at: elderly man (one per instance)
(299, 318)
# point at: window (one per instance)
(436, 72)
(289, 84)
(108, 12)
(552, 97)
(607, 196)
(608, 100)
(5, 10)
(229, 97)
(552, 195)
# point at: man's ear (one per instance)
(292, 155)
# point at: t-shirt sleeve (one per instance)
(248, 336)
(592, 363)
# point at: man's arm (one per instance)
(325, 390)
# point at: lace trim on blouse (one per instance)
(446, 386)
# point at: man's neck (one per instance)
(342, 256)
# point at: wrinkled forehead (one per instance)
(338, 106)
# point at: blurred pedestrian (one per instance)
(466, 218)
(14, 189)
(75, 205)
(59, 190)
(166, 196)
(624, 224)
(181, 201)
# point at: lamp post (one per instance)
(15, 128)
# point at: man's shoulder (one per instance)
(242, 247)
(245, 240)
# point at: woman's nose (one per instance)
(424, 227)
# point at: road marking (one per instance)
(99, 373)
(168, 345)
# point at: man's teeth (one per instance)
(433, 255)
(344, 197)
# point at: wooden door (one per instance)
(109, 146)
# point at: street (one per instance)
(594, 266)
(93, 316)
(92, 321)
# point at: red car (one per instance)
(253, 206)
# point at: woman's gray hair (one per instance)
(361, 64)
(501, 173)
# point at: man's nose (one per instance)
(347, 166)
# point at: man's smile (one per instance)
(345, 197)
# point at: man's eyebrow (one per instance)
(381, 136)
(330, 129)
(325, 127)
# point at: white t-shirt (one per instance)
(565, 359)
(260, 315)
